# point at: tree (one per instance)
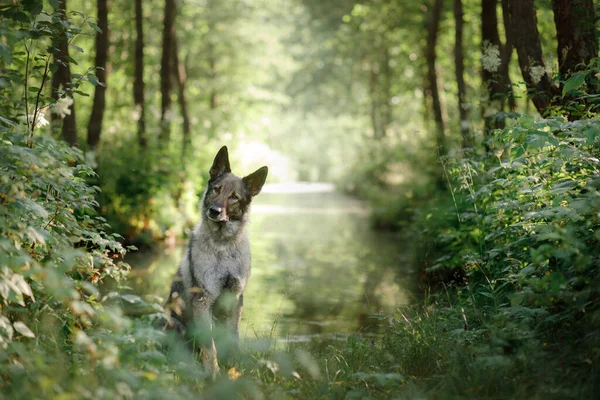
(575, 22)
(577, 45)
(95, 122)
(495, 64)
(180, 76)
(62, 78)
(460, 72)
(523, 27)
(138, 83)
(432, 77)
(166, 65)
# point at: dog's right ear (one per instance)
(220, 164)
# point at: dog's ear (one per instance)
(220, 164)
(255, 181)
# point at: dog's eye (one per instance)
(233, 196)
(217, 189)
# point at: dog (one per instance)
(216, 262)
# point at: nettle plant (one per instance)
(54, 248)
(527, 223)
(30, 56)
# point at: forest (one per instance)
(430, 226)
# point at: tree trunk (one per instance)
(62, 77)
(523, 28)
(180, 76)
(575, 28)
(505, 57)
(430, 56)
(498, 84)
(138, 83)
(460, 72)
(386, 93)
(373, 94)
(95, 122)
(213, 76)
(166, 66)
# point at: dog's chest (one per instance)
(219, 267)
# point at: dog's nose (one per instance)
(214, 211)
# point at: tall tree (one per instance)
(166, 65)
(460, 74)
(95, 122)
(62, 78)
(523, 27)
(495, 63)
(138, 83)
(180, 76)
(433, 26)
(575, 22)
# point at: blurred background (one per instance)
(335, 91)
(430, 227)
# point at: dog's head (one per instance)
(228, 197)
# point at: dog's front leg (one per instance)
(203, 320)
(236, 318)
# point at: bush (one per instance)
(516, 255)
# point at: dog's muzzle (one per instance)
(217, 214)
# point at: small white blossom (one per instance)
(536, 72)
(490, 60)
(39, 119)
(465, 124)
(597, 75)
(61, 108)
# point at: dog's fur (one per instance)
(217, 259)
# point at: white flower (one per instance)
(490, 60)
(536, 72)
(39, 119)
(61, 107)
(465, 124)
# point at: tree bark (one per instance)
(498, 83)
(95, 122)
(433, 89)
(166, 66)
(523, 28)
(62, 77)
(505, 56)
(180, 76)
(460, 72)
(138, 83)
(575, 28)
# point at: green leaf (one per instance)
(7, 121)
(95, 27)
(93, 79)
(54, 3)
(574, 82)
(79, 49)
(5, 53)
(563, 187)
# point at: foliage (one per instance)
(517, 254)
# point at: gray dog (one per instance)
(216, 263)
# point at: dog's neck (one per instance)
(229, 232)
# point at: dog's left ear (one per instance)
(255, 181)
(220, 164)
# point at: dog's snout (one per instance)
(214, 211)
